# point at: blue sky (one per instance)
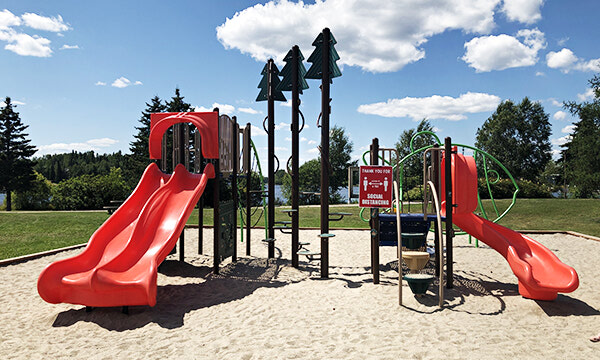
(81, 72)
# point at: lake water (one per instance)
(343, 193)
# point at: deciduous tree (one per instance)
(518, 135)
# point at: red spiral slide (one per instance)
(540, 273)
(119, 264)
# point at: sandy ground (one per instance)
(256, 309)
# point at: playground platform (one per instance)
(257, 309)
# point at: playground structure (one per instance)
(541, 275)
(323, 68)
(119, 265)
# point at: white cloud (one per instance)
(121, 82)
(38, 22)
(568, 129)
(281, 126)
(100, 83)
(303, 139)
(540, 73)
(312, 142)
(554, 102)
(587, 95)
(96, 145)
(560, 115)
(562, 41)
(561, 141)
(286, 103)
(14, 102)
(25, 45)
(433, 107)
(249, 111)
(69, 47)
(555, 154)
(202, 109)
(8, 19)
(499, 52)
(256, 131)
(104, 142)
(223, 108)
(377, 36)
(312, 151)
(565, 60)
(524, 11)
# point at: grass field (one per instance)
(24, 233)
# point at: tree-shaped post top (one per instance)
(267, 86)
(286, 72)
(315, 72)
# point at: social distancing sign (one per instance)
(375, 187)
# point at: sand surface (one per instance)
(259, 309)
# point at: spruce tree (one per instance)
(139, 158)
(16, 166)
(177, 104)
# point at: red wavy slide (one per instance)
(540, 273)
(119, 265)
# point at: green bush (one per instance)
(416, 193)
(36, 197)
(88, 192)
(504, 189)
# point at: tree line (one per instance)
(517, 134)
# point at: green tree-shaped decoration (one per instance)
(314, 72)
(286, 73)
(264, 84)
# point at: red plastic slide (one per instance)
(540, 273)
(119, 264)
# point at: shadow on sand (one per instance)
(235, 281)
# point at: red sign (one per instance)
(375, 186)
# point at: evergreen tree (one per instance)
(139, 147)
(16, 166)
(177, 104)
(581, 155)
(518, 135)
(139, 158)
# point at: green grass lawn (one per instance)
(30, 232)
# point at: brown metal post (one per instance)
(163, 159)
(271, 159)
(184, 158)
(449, 208)
(198, 160)
(325, 111)
(375, 222)
(216, 212)
(295, 156)
(435, 174)
(234, 188)
(247, 165)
